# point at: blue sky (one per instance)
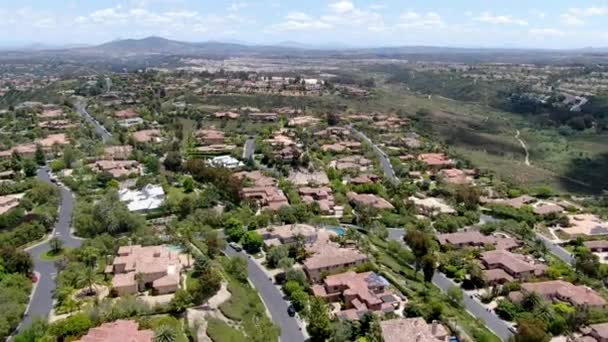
(464, 23)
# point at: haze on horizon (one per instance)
(555, 24)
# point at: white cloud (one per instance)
(377, 6)
(575, 16)
(420, 20)
(487, 17)
(237, 6)
(547, 32)
(342, 7)
(342, 14)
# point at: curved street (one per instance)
(81, 108)
(41, 302)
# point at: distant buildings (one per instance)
(149, 198)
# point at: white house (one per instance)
(226, 161)
(149, 198)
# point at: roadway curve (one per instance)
(41, 301)
(387, 167)
(81, 108)
(273, 299)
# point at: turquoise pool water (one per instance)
(338, 230)
(175, 248)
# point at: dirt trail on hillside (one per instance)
(523, 145)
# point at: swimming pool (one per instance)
(338, 230)
(175, 248)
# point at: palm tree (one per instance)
(88, 279)
(56, 245)
(165, 333)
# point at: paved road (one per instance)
(249, 148)
(42, 300)
(81, 108)
(495, 324)
(387, 167)
(273, 298)
(557, 250)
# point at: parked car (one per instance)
(235, 246)
(291, 311)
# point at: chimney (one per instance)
(434, 327)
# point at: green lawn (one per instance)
(220, 331)
(50, 256)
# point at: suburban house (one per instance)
(9, 202)
(431, 206)
(121, 330)
(117, 152)
(228, 162)
(150, 197)
(414, 329)
(215, 149)
(371, 200)
(117, 168)
(597, 246)
(597, 332)
(263, 117)
(514, 265)
(436, 161)
(209, 136)
(320, 195)
(147, 135)
(126, 113)
(328, 257)
(300, 178)
(559, 290)
(226, 115)
(359, 163)
(303, 120)
(476, 239)
(585, 224)
(137, 268)
(360, 292)
(457, 176)
(286, 234)
(267, 197)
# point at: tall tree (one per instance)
(319, 324)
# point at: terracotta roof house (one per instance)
(263, 117)
(147, 135)
(599, 332)
(333, 131)
(414, 329)
(118, 152)
(53, 139)
(216, 149)
(303, 120)
(257, 177)
(597, 246)
(516, 202)
(9, 202)
(22, 150)
(226, 115)
(267, 197)
(51, 113)
(559, 290)
(546, 208)
(586, 224)
(330, 257)
(351, 163)
(159, 269)
(431, 206)
(364, 179)
(118, 331)
(361, 293)
(342, 146)
(126, 113)
(56, 124)
(372, 200)
(280, 140)
(118, 168)
(322, 195)
(455, 176)
(514, 265)
(287, 153)
(476, 239)
(436, 160)
(299, 178)
(209, 136)
(286, 234)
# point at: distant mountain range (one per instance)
(161, 46)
